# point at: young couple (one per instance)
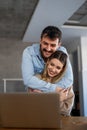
(57, 75)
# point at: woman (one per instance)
(54, 70)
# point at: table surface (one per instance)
(74, 123)
(68, 123)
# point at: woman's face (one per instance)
(54, 67)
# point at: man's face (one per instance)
(48, 46)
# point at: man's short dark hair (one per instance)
(52, 32)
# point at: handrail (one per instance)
(10, 79)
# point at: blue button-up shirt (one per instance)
(33, 63)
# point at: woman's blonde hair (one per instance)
(62, 57)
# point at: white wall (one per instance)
(84, 73)
(10, 58)
(79, 45)
(10, 63)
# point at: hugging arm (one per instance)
(30, 80)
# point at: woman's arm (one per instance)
(67, 104)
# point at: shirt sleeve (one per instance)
(67, 79)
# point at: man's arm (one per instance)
(67, 79)
(35, 83)
(28, 75)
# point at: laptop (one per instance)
(30, 110)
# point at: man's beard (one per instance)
(46, 58)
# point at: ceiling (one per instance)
(15, 16)
(25, 19)
(79, 18)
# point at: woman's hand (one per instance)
(63, 94)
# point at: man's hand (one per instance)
(58, 89)
(34, 90)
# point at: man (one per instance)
(35, 57)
